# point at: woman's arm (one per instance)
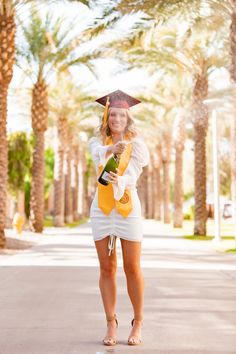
(100, 152)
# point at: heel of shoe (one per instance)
(135, 340)
(110, 341)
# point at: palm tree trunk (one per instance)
(150, 189)
(7, 58)
(58, 219)
(85, 187)
(75, 182)
(59, 192)
(39, 123)
(157, 184)
(166, 154)
(145, 191)
(67, 174)
(141, 192)
(37, 187)
(21, 203)
(200, 114)
(92, 183)
(158, 194)
(178, 189)
(81, 183)
(3, 163)
(200, 182)
(166, 192)
(179, 138)
(154, 186)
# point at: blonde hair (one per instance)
(130, 130)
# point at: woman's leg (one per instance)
(107, 283)
(135, 284)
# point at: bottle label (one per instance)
(106, 176)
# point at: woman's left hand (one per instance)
(114, 177)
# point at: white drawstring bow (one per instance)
(111, 244)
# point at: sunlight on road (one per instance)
(75, 247)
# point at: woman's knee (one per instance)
(132, 269)
(108, 269)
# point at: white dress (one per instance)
(130, 227)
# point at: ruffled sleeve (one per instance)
(139, 158)
(98, 151)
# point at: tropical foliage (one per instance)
(19, 161)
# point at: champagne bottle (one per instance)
(111, 165)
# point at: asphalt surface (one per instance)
(50, 301)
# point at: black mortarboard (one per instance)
(118, 99)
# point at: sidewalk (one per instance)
(50, 302)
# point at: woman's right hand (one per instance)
(119, 147)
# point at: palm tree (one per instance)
(47, 47)
(59, 172)
(143, 52)
(176, 102)
(7, 57)
(67, 177)
(157, 195)
(210, 18)
(173, 102)
(195, 51)
(75, 179)
(203, 62)
(166, 158)
(62, 108)
(149, 186)
(68, 103)
(143, 191)
(179, 139)
(169, 103)
(150, 189)
(200, 122)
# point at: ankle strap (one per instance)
(136, 319)
(111, 318)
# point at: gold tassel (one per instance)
(106, 112)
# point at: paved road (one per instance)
(50, 301)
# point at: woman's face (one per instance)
(117, 120)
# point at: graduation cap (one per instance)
(118, 99)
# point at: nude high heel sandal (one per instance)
(110, 340)
(134, 340)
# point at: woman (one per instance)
(116, 210)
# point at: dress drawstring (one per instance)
(111, 243)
